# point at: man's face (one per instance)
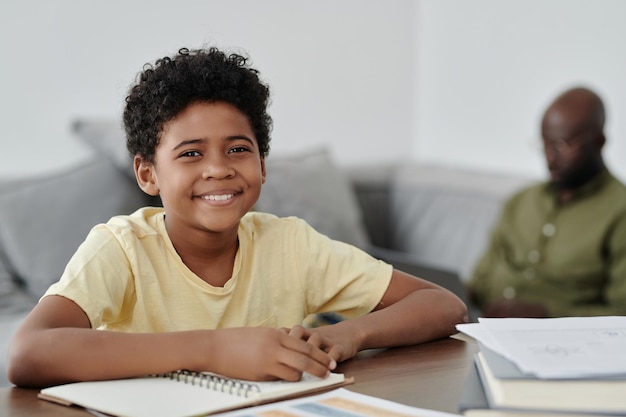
(570, 147)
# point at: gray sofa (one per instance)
(419, 217)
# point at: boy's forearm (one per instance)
(67, 354)
(61, 355)
(421, 316)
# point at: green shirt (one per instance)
(570, 257)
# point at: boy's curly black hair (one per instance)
(165, 89)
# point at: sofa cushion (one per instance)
(310, 186)
(107, 138)
(13, 297)
(371, 184)
(443, 216)
(44, 220)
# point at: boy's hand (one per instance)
(261, 353)
(338, 343)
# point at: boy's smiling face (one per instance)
(207, 169)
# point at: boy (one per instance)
(203, 283)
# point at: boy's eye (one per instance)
(190, 153)
(238, 149)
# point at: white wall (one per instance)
(486, 70)
(341, 71)
(453, 81)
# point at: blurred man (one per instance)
(559, 248)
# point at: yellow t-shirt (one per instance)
(127, 276)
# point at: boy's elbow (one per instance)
(16, 373)
(461, 312)
(462, 316)
(455, 312)
(22, 365)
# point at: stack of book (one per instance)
(557, 367)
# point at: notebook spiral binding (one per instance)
(214, 382)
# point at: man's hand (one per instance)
(515, 308)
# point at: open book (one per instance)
(182, 393)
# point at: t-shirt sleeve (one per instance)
(98, 278)
(340, 277)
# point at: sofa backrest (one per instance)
(371, 185)
(440, 215)
(43, 220)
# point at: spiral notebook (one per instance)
(182, 393)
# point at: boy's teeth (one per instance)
(221, 197)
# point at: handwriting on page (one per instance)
(555, 350)
(563, 347)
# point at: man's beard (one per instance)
(578, 177)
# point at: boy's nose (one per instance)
(217, 167)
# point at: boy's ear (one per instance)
(263, 172)
(146, 177)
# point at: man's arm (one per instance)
(614, 288)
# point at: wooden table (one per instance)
(430, 375)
